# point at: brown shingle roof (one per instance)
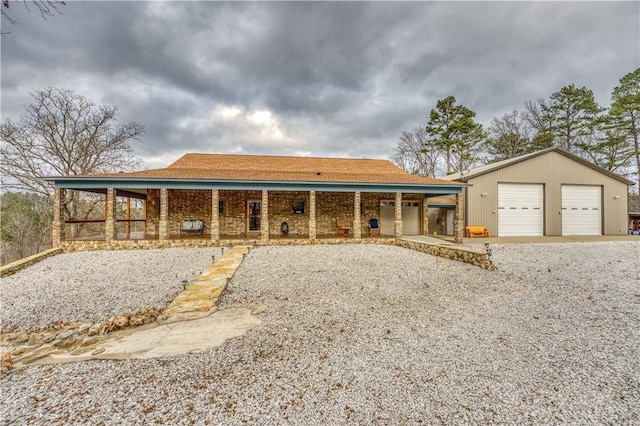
(274, 168)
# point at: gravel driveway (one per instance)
(370, 334)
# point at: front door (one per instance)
(253, 215)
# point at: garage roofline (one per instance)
(488, 168)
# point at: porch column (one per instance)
(57, 225)
(312, 215)
(357, 227)
(425, 216)
(163, 225)
(458, 232)
(144, 215)
(264, 219)
(398, 220)
(215, 215)
(128, 217)
(110, 215)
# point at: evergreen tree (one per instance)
(625, 115)
(572, 112)
(456, 134)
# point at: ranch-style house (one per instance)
(216, 198)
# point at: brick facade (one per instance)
(329, 207)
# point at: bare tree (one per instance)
(62, 134)
(541, 123)
(46, 8)
(509, 136)
(417, 154)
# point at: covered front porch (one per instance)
(229, 216)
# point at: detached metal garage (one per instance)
(548, 192)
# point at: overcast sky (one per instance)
(320, 79)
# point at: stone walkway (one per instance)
(199, 299)
(197, 302)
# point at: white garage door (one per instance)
(581, 210)
(410, 217)
(520, 210)
(387, 217)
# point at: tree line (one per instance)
(452, 141)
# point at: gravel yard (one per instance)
(370, 334)
(92, 286)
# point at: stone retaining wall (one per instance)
(460, 254)
(73, 246)
(14, 267)
(446, 251)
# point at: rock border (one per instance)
(13, 267)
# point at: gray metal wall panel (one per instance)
(552, 170)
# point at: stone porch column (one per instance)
(215, 215)
(425, 216)
(264, 219)
(110, 215)
(458, 231)
(163, 225)
(357, 226)
(312, 215)
(144, 214)
(397, 224)
(57, 225)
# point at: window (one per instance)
(220, 206)
(297, 207)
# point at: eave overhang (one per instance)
(93, 183)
